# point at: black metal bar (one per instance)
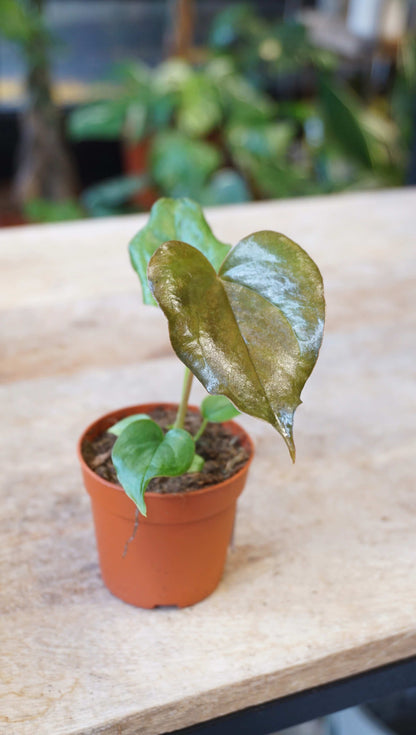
(312, 703)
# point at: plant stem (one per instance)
(183, 406)
(200, 430)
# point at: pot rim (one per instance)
(178, 495)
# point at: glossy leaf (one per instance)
(217, 409)
(117, 428)
(173, 219)
(143, 451)
(253, 331)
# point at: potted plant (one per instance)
(246, 321)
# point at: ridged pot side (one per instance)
(178, 554)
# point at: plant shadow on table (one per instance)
(243, 562)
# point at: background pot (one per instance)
(178, 554)
(136, 163)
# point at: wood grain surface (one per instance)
(321, 583)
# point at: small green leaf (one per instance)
(244, 102)
(173, 219)
(44, 210)
(117, 428)
(341, 110)
(253, 331)
(135, 124)
(230, 24)
(171, 75)
(110, 195)
(180, 165)
(197, 464)
(225, 187)
(217, 409)
(143, 451)
(199, 109)
(101, 120)
(265, 140)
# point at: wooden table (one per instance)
(321, 583)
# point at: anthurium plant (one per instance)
(247, 321)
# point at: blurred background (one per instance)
(105, 105)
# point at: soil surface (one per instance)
(223, 453)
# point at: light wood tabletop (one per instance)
(321, 582)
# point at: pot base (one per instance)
(156, 559)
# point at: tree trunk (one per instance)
(180, 37)
(44, 166)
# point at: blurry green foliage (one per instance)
(134, 107)
(43, 211)
(225, 186)
(21, 21)
(404, 90)
(181, 166)
(113, 196)
(368, 141)
(263, 49)
(217, 135)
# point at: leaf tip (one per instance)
(142, 508)
(283, 423)
(287, 435)
(292, 449)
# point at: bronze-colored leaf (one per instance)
(251, 332)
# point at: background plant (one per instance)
(217, 134)
(261, 111)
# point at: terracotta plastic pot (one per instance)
(178, 554)
(136, 163)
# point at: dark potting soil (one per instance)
(222, 451)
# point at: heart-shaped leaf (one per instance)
(173, 219)
(143, 451)
(117, 428)
(217, 409)
(253, 331)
